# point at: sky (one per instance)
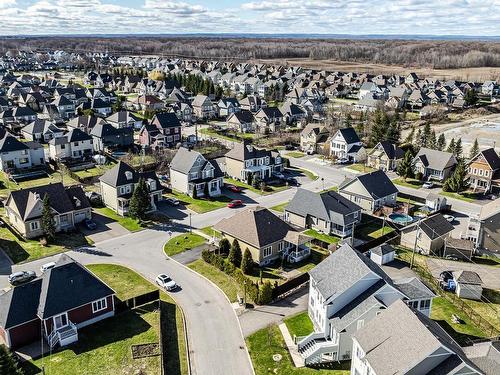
(355, 17)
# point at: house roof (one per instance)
(485, 355)
(329, 206)
(117, 176)
(413, 288)
(40, 126)
(256, 226)
(185, 158)
(467, 277)
(433, 226)
(391, 150)
(400, 338)
(349, 135)
(20, 304)
(166, 120)
(383, 249)
(9, 143)
(376, 183)
(491, 157)
(243, 117)
(77, 135)
(245, 151)
(435, 159)
(69, 285)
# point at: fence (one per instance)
(288, 287)
(136, 301)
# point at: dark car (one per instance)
(446, 275)
(172, 201)
(89, 224)
(235, 203)
(289, 147)
(292, 181)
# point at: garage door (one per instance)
(80, 216)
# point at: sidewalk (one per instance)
(297, 359)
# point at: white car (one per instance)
(47, 266)
(428, 185)
(165, 282)
(449, 218)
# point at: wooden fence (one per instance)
(288, 287)
(136, 301)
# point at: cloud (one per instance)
(174, 7)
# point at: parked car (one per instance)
(428, 185)
(234, 188)
(446, 275)
(47, 266)
(21, 277)
(452, 257)
(172, 201)
(449, 218)
(279, 175)
(292, 181)
(289, 147)
(343, 161)
(166, 282)
(89, 224)
(235, 203)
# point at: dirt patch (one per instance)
(145, 350)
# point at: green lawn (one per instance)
(128, 223)
(270, 188)
(321, 236)
(263, 344)
(182, 243)
(200, 205)
(489, 307)
(228, 285)
(229, 136)
(371, 231)
(210, 231)
(94, 172)
(280, 207)
(299, 325)
(466, 197)
(312, 176)
(28, 250)
(317, 256)
(361, 168)
(410, 182)
(295, 154)
(6, 185)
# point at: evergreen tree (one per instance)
(224, 246)
(393, 133)
(247, 262)
(410, 136)
(457, 182)
(474, 150)
(451, 146)
(441, 142)
(458, 149)
(8, 364)
(405, 168)
(420, 140)
(235, 254)
(471, 97)
(266, 293)
(432, 143)
(47, 222)
(140, 202)
(348, 121)
(426, 135)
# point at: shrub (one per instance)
(419, 176)
(247, 262)
(224, 246)
(265, 294)
(235, 253)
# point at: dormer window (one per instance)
(129, 175)
(78, 203)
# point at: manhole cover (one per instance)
(277, 357)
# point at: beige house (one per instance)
(385, 156)
(428, 235)
(69, 206)
(266, 236)
(313, 138)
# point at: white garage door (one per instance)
(80, 216)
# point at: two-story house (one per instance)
(371, 191)
(69, 206)
(16, 155)
(41, 131)
(241, 121)
(253, 103)
(484, 171)
(227, 106)
(346, 291)
(434, 164)
(385, 156)
(427, 236)
(163, 131)
(203, 108)
(327, 212)
(345, 144)
(192, 174)
(118, 184)
(244, 162)
(107, 137)
(401, 340)
(75, 145)
(313, 138)
(268, 120)
(65, 107)
(124, 119)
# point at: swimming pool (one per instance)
(401, 218)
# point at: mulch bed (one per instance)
(145, 350)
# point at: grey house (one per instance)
(106, 136)
(328, 212)
(434, 164)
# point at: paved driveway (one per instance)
(106, 229)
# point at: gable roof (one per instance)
(433, 226)
(166, 120)
(257, 226)
(467, 277)
(491, 157)
(20, 304)
(77, 135)
(184, 159)
(435, 159)
(40, 126)
(350, 135)
(10, 143)
(391, 150)
(376, 183)
(245, 151)
(117, 175)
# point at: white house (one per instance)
(16, 155)
(74, 145)
(345, 144)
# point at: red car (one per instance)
(235, 203)
(234, 188)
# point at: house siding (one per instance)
(24, 334)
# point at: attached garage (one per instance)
(80, 216)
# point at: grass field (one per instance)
(182, 243)
(465, 196)
(210, 231)
(372, 231)
(270, 188)
(299, 325)
(295, 154)
(280, 207)
(360, 168)
(410, 182)
(321, 236)
(128, 223)
(200, 205)
(94, 172)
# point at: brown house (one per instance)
(484, 171)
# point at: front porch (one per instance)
(66, 334)
(296, 247)
(262, 171)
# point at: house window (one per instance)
(425, 304)
(413, 304)
(34, 225)
(356, 214)
(267, 251)
(281, 245)
(23, 160)
(76, 144)
(486, 173)
(99, 305)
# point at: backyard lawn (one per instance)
(27, 250)
(322, 236)
(263, 344)
(200, 205)
(295, 154)
(465, 196)
(489, 307)
(182, 243)
(94, 172)
(6, 185)
(280, 207)
(361, 168)
(128, 223)
(410, 182)
(299, 325)
(372, 230)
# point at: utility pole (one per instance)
(415, 245)
(190, 227)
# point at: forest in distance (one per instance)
(436, 54)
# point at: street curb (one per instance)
(228, 301)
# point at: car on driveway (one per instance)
(21, 277)
(89, 224)
(428, 185)
(234, 188)
(47, 266)
(292, 181)
(445, 275)
(449, 218)
(279, 175)
(235, 203)
(343, 161)
(172, 201)
(166, 282)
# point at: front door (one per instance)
(60, 321)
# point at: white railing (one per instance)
(60, 334)
(309, 338)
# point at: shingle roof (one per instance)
(413, 288)
(76, 135)
(485, 355)
(467, 277)
(433, 226)
(492, 158)
(256, 226)
(9, 143)
(166, 120)
(392, 151)
(117, 175)
(245, 151)
(435, 159)
(377, 184)
(20, 304)
(184, 159)
(350, 135)
(382, 249)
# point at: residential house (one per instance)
(326, 212)
(242, 121)
(203, 108)
(263, 233)
(24, 115)
(54, 306)
(65, 107)
(484, 171)
(428, 235)
(268, 120)
(434, 164)
(163, 131)
(192, 174)
(252, 103)
(401, 340)
(468, 284)
(227, 106)
(385, 156)
(69, 206)
(292, 113)
(16, 155)
(106, 137)
(149, 102)
(101, 107)
(346, 291)
(125, 119)
(485, 355)
(84, 123)
(74, 145)
(371, 191)
(41, 131)
(313, 138)
(119, 182)
(345, 144)
(245, 162)
(458, 248)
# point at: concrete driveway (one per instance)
(106, 229)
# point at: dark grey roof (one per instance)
(9, 143)
(76, 135)
(377, 184)
(382, 249)
(491, 158)
(391, 150)
(40, 126)
(245, 151)
(166, 120)
(329, 206)
(244, 116)
(350, 135)
(435, 159)
(433, 226)
(20, 304)
(467, 277)
(413, 288)
(69, 285)
(184, 159)
(117, 175)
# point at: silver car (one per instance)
(21, 277)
